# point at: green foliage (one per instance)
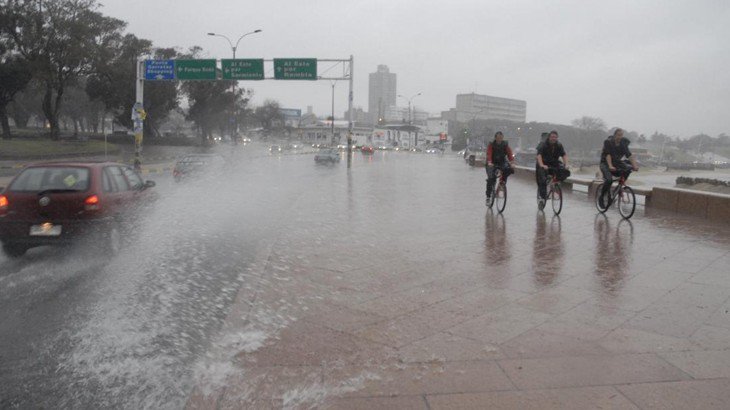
(61, 40)
(269, 115)
(14, 76)
(112, 79)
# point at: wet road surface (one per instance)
(287, 284)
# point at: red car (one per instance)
(57, 203)
(366, 149)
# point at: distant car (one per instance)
(245, 140)
(325, 155)
(367, 149)
(196, 164)
(475, 156)
(275, 149)
(433, 151)
(59, 203)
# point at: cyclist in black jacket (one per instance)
(549, 155)
(615, 148)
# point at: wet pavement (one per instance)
(388, 285)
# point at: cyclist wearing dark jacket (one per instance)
(548, 160)
(615, 148)
(499, 156)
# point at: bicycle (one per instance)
(499, 192)
(554, 194)
(622, 192)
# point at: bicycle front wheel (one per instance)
(500, 196)
(556, 198)
(626, 202)
(601, 209)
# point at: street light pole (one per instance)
(234, 119)
(333, 111)
(410, 120)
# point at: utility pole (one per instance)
(333, 112)
(410, 120)
(350, 96)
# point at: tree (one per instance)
(60, 39)
(592, 131)
(589, 123)
(14, 76)
(269, 115)
(114, 74)
(209, 104)
(27, 104)
(160, 97)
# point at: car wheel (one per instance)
(14, 251)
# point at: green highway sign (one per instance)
(243, 69)
(295, 68)
(195, 69)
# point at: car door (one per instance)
(137, 194)
(119, 189)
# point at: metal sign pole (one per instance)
(138, 115)
(349, 113)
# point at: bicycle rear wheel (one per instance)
(597, 199)
(556, 198)
(500, 196)
(626, 202)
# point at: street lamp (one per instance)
(234, 122)
(233, 48)
(409, 104)
(410, 121)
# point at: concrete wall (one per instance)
(707, 205)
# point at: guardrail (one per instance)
(708, 205)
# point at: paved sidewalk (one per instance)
(372, 299)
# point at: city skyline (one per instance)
(645, 67)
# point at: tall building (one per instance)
(382, 92)
(486, 107)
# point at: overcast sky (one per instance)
(639, 64)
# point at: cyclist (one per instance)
(548, 159)
(499, 156)
(615, 148)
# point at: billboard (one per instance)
(291, 112)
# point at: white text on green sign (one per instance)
(243, 69)
(295, 68)
(195, 69)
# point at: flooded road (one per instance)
(283, 283)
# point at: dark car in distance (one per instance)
(59, 203)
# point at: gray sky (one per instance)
(644, 65)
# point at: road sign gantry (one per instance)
(237, 70)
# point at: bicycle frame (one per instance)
(500, 179)
(613, 193)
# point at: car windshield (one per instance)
(53, 178)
